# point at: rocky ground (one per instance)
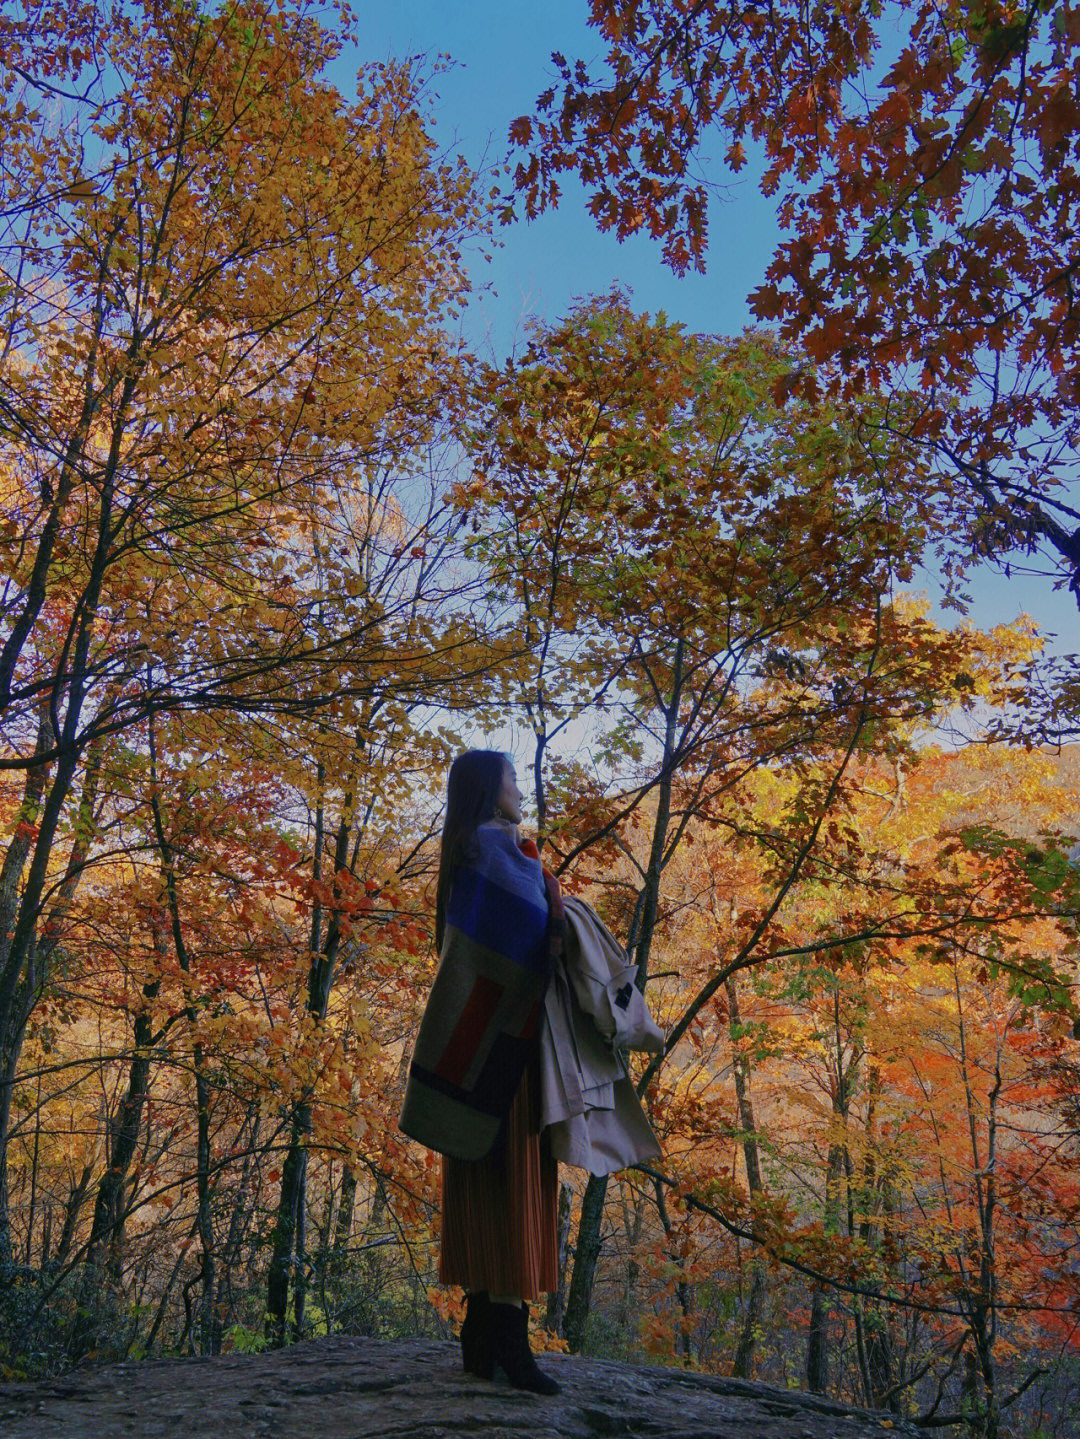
(409, 1389)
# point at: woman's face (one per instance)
(508, 800)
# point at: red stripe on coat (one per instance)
(470, 1030)
(528, 1029)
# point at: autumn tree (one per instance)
(366, 759)
(698, 572)
(881, 920)
(223, 286)
(923, 163)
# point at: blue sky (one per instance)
(500, 54)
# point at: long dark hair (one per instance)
(472, 792)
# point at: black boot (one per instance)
(510, 1348)
(476, 1355)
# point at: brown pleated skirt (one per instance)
(500, 1213)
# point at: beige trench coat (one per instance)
(593, 1014)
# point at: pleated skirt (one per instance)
(500, 1213)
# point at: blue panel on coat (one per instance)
(490, 915)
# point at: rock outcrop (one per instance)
(409, 1389)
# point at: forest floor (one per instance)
(409, 1389)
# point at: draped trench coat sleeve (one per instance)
(592, 1013)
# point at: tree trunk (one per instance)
(104, 1248)
(343, 1224)
(320, 1260)
(817, 1344)
(880, 1362)
(839, 1163)
(208, 1331)
(241, 1211)
(983, 1303)
(300, 1268)
(969, 1394)
(683, 1289)
(19, 986)
(639, 943)
(71, 1216)
(743, 1363)
(10, 874)
(556, 1305)
(587, 1253)
(320, 980)
(283, 1240)
(46, 1236)
(30, 1213)
(633, 1218)
(879, 1358)
(108, 1227)
(204, 1213)
(26, 962)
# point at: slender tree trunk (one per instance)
(371, 1271)
(320, 1260)
(30, 976)
(283, 1242)
(104, 1248)
(743, 1363)
(204, 1211)
(843, 1087)
(879, 1362)
(817, 1339)
(969, 1393)
(46, 1236)
(343, 1223)
(817, 1345)
(320, 981)
(585, 1257)
(10, 874)
(109, 1213)
(683, 1289)
(556, 1305)
(300, 1281)
(72, 1209)
(983, 1312)
(639, 943)
(241, 1210)
(33, 1178)
(633, 1218)
(19, 986)
(879, 1359)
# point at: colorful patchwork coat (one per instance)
(503, 933)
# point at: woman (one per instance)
(473, 1089)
